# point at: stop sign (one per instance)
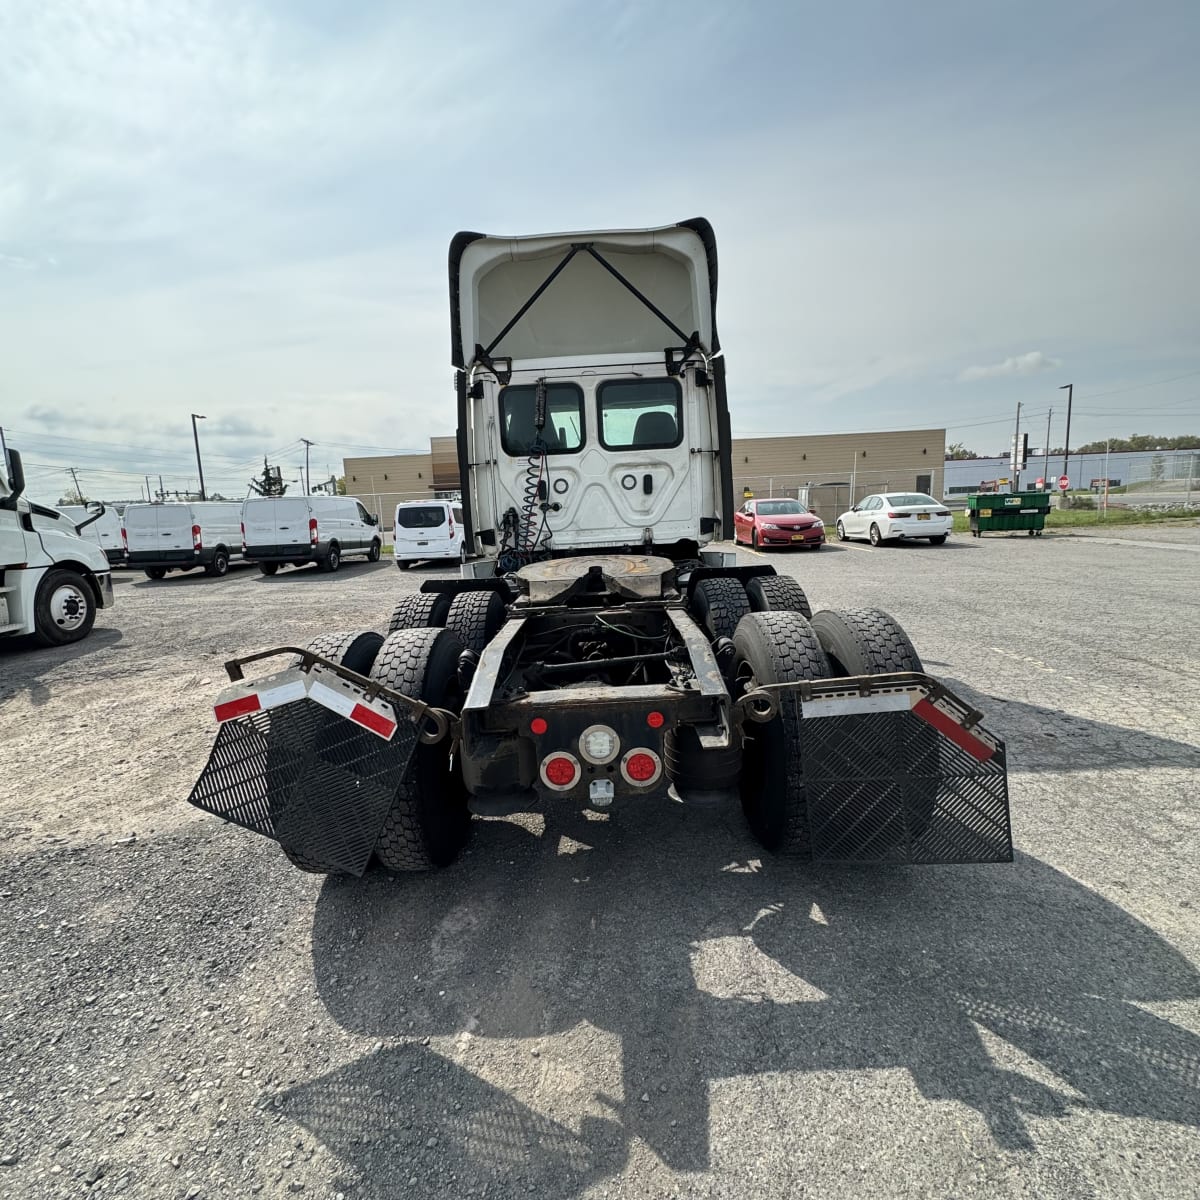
(1040, 483)
(1063, 483)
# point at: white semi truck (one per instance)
(601, 651)
(52, 580)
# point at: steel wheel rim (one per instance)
(68, 606)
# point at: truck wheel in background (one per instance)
(374, 552)
(332, 559)
(425, 610)
(220, 563)
(268, 568)
(777, 593)
(718, 605)
(64, 609)
(156, 572)
(356, 652)
(429, 822)
(776, 647)
(475, 618)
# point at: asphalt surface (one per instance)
(645, 1005)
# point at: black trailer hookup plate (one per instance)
(897, 770)
(306, 758)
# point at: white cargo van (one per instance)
(180, 535)
(429, 529)
(105, 531)
(277, 530)
(52, 581)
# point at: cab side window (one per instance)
(363, 515)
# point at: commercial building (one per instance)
(831, 470)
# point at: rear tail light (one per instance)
(560, 771)
(196, 541)
(451, 526)
(312, 530)
(941, 514)
(641, 767)
(893, 515)
(599, 744)
(243, 537)
(124, 539)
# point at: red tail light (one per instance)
(312, 530)
(124, 539)
(893, 515)
(942, 514)
(243, 537)
(451, 526)
(560, 771)
(196, 542)
(641, 767)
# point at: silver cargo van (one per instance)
(277, 530)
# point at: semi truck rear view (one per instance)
(601, 652)
(52, 580)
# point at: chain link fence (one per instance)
(829, 496)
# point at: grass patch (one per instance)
(1073, 518)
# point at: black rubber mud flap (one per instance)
(308, 777)
(899, 774)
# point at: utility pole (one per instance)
(78, 493)
(1014, 484)
(307, 444)
(196, 438)
(1069, 388)
(1046, 466)
(148, 496)
(161, 493)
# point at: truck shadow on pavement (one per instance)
(649, 956)
(24, 664)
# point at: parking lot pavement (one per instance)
(644, 1005)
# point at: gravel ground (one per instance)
(637, 1006)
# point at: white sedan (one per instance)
(895, 515)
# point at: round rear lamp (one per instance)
(641, 767)
(538, 726)
(560, 771)
(655, 720)
(599, 744)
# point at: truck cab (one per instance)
(591, 394)
(52, 580)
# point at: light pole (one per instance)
(1069, 388)
(196, 438)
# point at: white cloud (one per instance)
(1018, 364)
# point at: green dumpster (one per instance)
(1008, 512)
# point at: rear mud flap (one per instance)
(308, 777)
(900, 771)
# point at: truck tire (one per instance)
(777, 647)
(268, 568)
(718, 605)
(220, 563)
(868, 641)
(424, 610)
(429, 822)
(356, 651)
(865, 641)
(375, 551)
(64, 609)
(156, 572)
(475, 618)
(777, 593)
(332, 559)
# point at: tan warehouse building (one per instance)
(830, 470)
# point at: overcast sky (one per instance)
(925, 212)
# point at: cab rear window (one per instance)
(426, 516)
(562, 428)
(640, 414)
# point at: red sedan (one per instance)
(778, 523)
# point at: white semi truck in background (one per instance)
(52, 580)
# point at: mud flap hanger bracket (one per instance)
(433, 724)
(760, 704)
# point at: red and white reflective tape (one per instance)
(252, 702)
(374, 716)
(903, 701)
